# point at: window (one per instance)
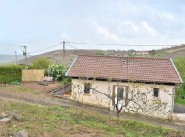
(156, 92)
(87, 88)
(120, 93)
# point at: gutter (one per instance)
(176, 71)
(71, 65)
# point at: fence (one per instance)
(32, 75)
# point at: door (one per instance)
(120, 94)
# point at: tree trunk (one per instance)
(117, 114)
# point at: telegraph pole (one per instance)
(64, 50)
(15, 57)
(25, 54)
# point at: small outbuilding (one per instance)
(143, 85)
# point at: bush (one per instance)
(180, 92)
(58, 71)
(40, 63)
(65, 80)
(10, 73)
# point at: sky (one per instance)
(40, 24)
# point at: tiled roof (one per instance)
(157, 70)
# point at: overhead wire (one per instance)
(77, 48)
(45, 48)
(134, 44)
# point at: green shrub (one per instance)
(40, 63)
(65, 80)
(58, 71)
(10, 73)
(180, 92)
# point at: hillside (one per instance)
(57, 56)
(173, 52)
(4, 59)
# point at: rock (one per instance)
(17, 117)
(22, 133)
(2, 115)
(14, 126)
(4, 121)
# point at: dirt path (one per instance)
(47, 101)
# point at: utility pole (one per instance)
(15, 57)
(64, 50)
(25, 54)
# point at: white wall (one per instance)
(160, 107)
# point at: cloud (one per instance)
(141, 29)
(168, 16)
(127, 22)
(107, 34)
(146, 27)
(65, 36)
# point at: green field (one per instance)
(58, 121)
(180, 92)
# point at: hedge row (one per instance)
(10, 73)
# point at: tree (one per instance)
(135, 101)
(40, 63)
(99, 52)
(152, 52)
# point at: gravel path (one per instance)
(47, 101)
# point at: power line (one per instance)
(134, 44)
(76, 42)
(78, 48)
(45, 48)
(71, 46)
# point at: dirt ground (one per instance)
(31, 88)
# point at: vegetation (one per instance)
(58, 73)
(100, 52)
(58, 121)
(40, 63)
(10, 73)
(54, 70)
(180, 92)
(152, 52)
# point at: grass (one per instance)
(174, 50)
(180, 92)
(19, 89)
(58, 121)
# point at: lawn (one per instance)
(59, 121)
(32, 88)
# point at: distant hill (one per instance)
(57, 56)
(6, 59)
(176, 51)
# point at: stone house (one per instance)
(142, 85)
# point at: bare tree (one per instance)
(134, 100)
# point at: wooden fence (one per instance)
(32, 75)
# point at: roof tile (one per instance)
(160, 70)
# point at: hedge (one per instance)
(10, 73)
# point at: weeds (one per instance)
(57, 119)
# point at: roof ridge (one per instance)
(112, 56)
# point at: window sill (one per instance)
(156, 99)
(86, 94)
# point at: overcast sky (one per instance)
(42, 23)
